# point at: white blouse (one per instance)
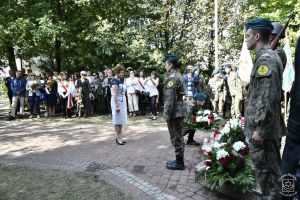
(152, 87)
(30, 90)
(131, 84)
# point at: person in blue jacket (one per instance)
(191, 81)
(8, 81)
(18, 87)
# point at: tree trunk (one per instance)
(57, 45)
(57, 52)
(11, 56)
(169, 5)
(211, 53)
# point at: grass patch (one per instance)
(17, 182)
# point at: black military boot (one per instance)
(191, 140)
(177, 164)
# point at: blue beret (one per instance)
(200, 96)
(259, 24)
(172, 58)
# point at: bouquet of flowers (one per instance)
(228, 163)
(53, 83)
(231, 132)
(205, 120)
(36, 85)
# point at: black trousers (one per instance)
(10, 96)
(107, 100)
(153, 105)
(143, 101)
(66, 111)
(291, 154)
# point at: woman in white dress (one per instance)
(118, 104)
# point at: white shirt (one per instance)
(30, 90)
(152, 88)
(131, 84)
(92, 81)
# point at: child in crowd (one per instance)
(79, 103)
(51, 96)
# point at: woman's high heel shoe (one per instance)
(119, 143)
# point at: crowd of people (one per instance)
(79, 94)
(121, 94)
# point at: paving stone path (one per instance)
(89, 145)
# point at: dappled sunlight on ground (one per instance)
(20, 138)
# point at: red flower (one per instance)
(242, 119)
(217, 132)
(211, 118)
(245, 150)
(241, 162)
(232, 156)
(194, 120)
(209, 154)
(223, 161)
(208, 163)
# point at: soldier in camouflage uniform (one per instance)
(264, 124)
(174, 110)
(212, 91)
(235, 90)
(220, 93)
(281, 53)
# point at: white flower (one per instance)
(207, 112)
(226, 129)
(215, 115)
(217, 145)
(238, 145)
(200, 112)
(204, 119)
(207, 149)
(201, 119)
(222, 154)
(234, 123)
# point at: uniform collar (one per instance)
(262, 50)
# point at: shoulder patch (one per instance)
(170, 84)
(262, 71)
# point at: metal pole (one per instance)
(216, 35)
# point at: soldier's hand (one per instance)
(257, 139)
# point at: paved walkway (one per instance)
(89, 145)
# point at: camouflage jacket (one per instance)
(220, 89)
(235, 84)
(263, 108)
(173, 93)
(282, 55)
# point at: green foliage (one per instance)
(235, 135)
(78, 34)
(277, 11)
(3, 90)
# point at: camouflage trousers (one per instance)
(266, 160)
(235, 106)
(175, 126)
